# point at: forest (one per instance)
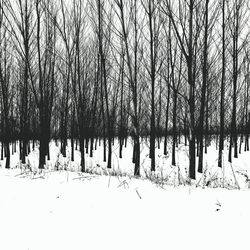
(124, 124)
(94, 72)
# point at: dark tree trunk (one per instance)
(82, 150)
(203, 94)
(43, 140)
(174, 128)
(235, 78)
(222, 96)
(166, 121)
(72, 135)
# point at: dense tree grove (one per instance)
(88, 70)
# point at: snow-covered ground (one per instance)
(65, 210)
(69, 210)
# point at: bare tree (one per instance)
(154, 21)
(237, 18)
(43, 81)
(204, 87)
(222, 91)
(6, 86)
(187, 43)
(131, 55)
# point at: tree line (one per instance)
(96, 70)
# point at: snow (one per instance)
(70, 210)
(66, 210)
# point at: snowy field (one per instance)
(68, 210)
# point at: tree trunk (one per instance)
(222, 96)
(203, 92)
